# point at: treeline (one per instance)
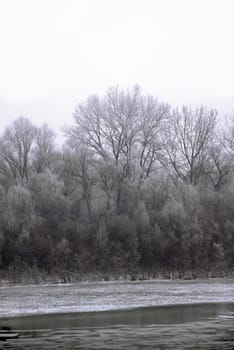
(136, 188)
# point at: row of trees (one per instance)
(136, 187)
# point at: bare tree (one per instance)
(218, 167)
(228, 135)
(123, 128)
(122, 133)
(15, 151)
(187, 142)
(44, 151)
(151, 144)
(77, 174)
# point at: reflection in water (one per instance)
(141, 316)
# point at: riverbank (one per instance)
(32, 276)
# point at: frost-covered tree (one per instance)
(44, 151)
(15, 151)
(188, 138)
(122, 128)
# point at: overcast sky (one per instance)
(54, 53)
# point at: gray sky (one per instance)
(54, 53)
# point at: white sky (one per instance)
(54, 53)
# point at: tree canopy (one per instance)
(136, 187)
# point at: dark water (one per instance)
(164, 315)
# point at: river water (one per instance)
(117, 315)
(86, 298)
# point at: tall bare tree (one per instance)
(228, 135)
(187, 142)
(218, 167)
(122, 131)
(123, 128)
(15, 151)
(44, 153)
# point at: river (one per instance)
(69, 312)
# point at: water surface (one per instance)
(103, 296)
(113, 315)
(161, 315)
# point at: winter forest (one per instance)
(137, 188)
